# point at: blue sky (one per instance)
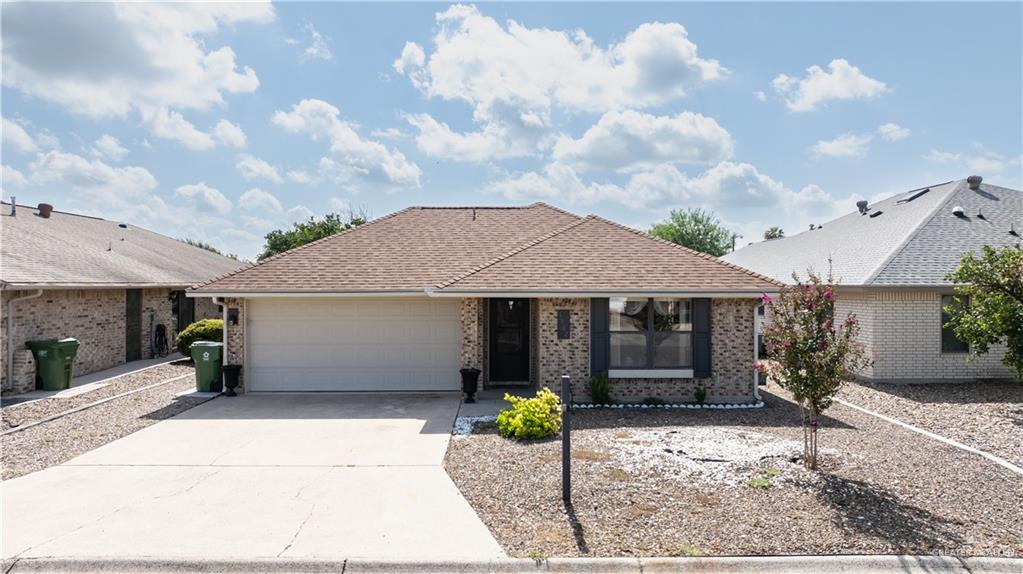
(221, 122)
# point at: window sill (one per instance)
(650, 374)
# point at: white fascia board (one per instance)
(306, 294)
(616, 293)
(84, 286)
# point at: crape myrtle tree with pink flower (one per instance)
(808, 353)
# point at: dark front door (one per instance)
(509, 340)
(132, 324)
(185, 311)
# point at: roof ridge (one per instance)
(688, 250)
(553, 208)
(71, 213)
(514, 251)
(301, 247)
(912, 234)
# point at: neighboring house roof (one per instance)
(69, 250)
(911, 240)
(531, 248)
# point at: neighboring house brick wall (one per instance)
(93, 316)
(863, 306)
(731, 379)
(906, 342)
(471, 317)
(205, 308)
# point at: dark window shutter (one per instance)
(600, 340)
(701, 338)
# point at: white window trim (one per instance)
(650, 374)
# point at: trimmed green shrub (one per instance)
(530, 418)
(600, 389)
(204, 330)
(700, 394)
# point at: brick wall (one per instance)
(156, 310)
(905, 342)
(234, 337)
(95, 317)
(557, 357)
(731, 379)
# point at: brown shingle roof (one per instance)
(411, 249)
(532, 248)
(594, 254)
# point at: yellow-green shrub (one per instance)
(530, 418)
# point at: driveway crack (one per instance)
(298, 531)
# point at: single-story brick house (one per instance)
(889, 261)
(107, 284)
(526, 294)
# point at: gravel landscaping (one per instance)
(62, 439)
(665, 482)
(987, 416)
(18, 414)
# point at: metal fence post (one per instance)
(566, 439)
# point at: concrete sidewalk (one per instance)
(722, 565)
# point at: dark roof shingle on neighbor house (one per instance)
(531, 248)
(912, 239)
(72, 250)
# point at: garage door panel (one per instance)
(353, 344)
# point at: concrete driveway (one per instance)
(329, 476)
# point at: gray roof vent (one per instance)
(862, 206)
(958, 211)
(974, 182)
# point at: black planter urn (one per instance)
(231, 374)
(470, 383)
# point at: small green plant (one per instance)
(770, 472)
(600, 389)
(530, 418)
(689, 549)
(700, 394)
(204, 330)
(759, 482)
(653, 401)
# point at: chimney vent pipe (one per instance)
(14, 205)
(45, 209)
(974, 182)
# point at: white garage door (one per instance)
(320, 344)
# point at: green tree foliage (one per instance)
(989, 303)
(695, 229)
(207, 247)
(807, 354)
(774, 232)
(302, 232)
(204, 330)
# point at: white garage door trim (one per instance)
(345, 344)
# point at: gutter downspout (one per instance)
(756, 352)
(10, 332)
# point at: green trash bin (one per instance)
(209, 360)
(55, 359)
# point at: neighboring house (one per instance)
(526, 294)
(105, 283)
(890, 261)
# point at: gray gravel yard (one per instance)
(660, 482)
(62, 439)
(987, 416)
(23, 413)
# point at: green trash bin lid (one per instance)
(69, 345)
(206, 344)
(48, 344)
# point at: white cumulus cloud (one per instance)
(254, 168)
(229, 134)
(169, 124)
(204, 197)
(108, 147)
(629, 139)
(256, 199)
(513, 76)
(354, 160)
(841, 81)
(892, 132)
(845, 145)
(15, 136)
